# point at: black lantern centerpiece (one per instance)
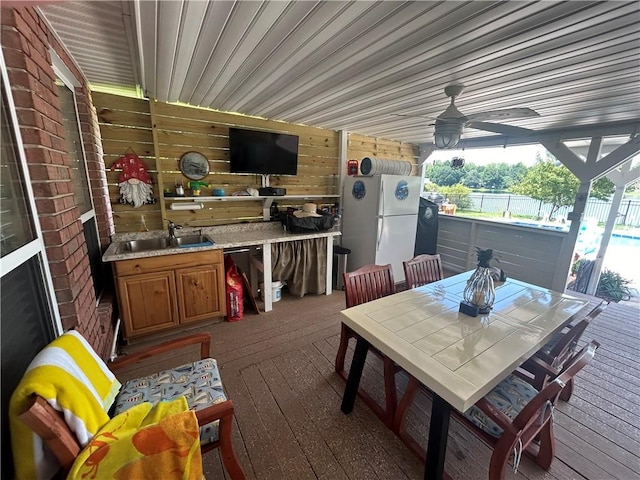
(480, 291)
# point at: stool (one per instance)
(340, 265)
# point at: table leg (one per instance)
(355, 373)
(329, 278)
(266, 277)
(438, 433)
(253, 271)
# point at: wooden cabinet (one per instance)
(200, 292)
(158, 293)
(147, 302)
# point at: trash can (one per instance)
(339, 265)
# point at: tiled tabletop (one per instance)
(457, 356)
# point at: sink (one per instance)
(192, 240)
(163, 243)
(144, 245)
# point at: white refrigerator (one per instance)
(379, 220)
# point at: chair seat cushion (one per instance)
(199, 382)
(510, 396)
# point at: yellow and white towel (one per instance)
(74, 380)
(144, 443)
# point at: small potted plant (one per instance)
(613, 287)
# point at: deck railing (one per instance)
(628, 214)
(533, 255)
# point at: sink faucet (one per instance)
(172, 229)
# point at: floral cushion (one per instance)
(510, 397)
(199, 382)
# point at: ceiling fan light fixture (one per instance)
(447, 135)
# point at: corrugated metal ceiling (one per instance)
(353, 65)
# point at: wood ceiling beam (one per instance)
(624, 176)
(614, 159)
(563, 153)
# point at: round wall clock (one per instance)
(194, 165)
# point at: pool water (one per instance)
(623, 251)
(619, 239)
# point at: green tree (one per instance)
(516, 173)
(442, 173)
(493, 175)
(473, 179)
(555, 184)
(458, 194)
(431, 187)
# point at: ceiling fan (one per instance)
(450, 123)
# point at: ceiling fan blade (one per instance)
(499, 128)
(503, 114)
(411, 116)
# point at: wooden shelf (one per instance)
(267, 201)
(239, 198)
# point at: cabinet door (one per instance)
(147, 302)
(200, 292)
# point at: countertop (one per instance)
(224, 236)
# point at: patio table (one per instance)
(458, 357)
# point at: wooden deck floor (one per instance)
(278, 370)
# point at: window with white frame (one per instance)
(28, 313)
(66, 84)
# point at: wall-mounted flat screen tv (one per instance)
(266, 153)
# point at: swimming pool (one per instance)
(594, 234)
(560, 228)
(621, 239)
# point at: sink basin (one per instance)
(192, 240)
(144, 245)
(148, 244)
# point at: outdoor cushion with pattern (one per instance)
(510, 396)
(199, 382)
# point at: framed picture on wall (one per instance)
(194, 165)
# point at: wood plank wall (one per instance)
(126, 123)
(160, 133)
(360, 146)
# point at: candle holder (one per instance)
(480, 290)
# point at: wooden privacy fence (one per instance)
(160, 133)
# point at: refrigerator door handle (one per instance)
(380, 230)
(383, 211)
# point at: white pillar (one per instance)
(569, 246)
(616, 201)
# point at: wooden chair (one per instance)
(422, 269)
(50, 425)
(364, 285)
(551, 358)
(513, 424)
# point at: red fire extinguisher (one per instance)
(352, 167)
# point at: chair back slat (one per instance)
(566, 346)
(422, 269)
(368, 283)
(536, 411)
(52, 427)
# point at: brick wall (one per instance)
(25, 42)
